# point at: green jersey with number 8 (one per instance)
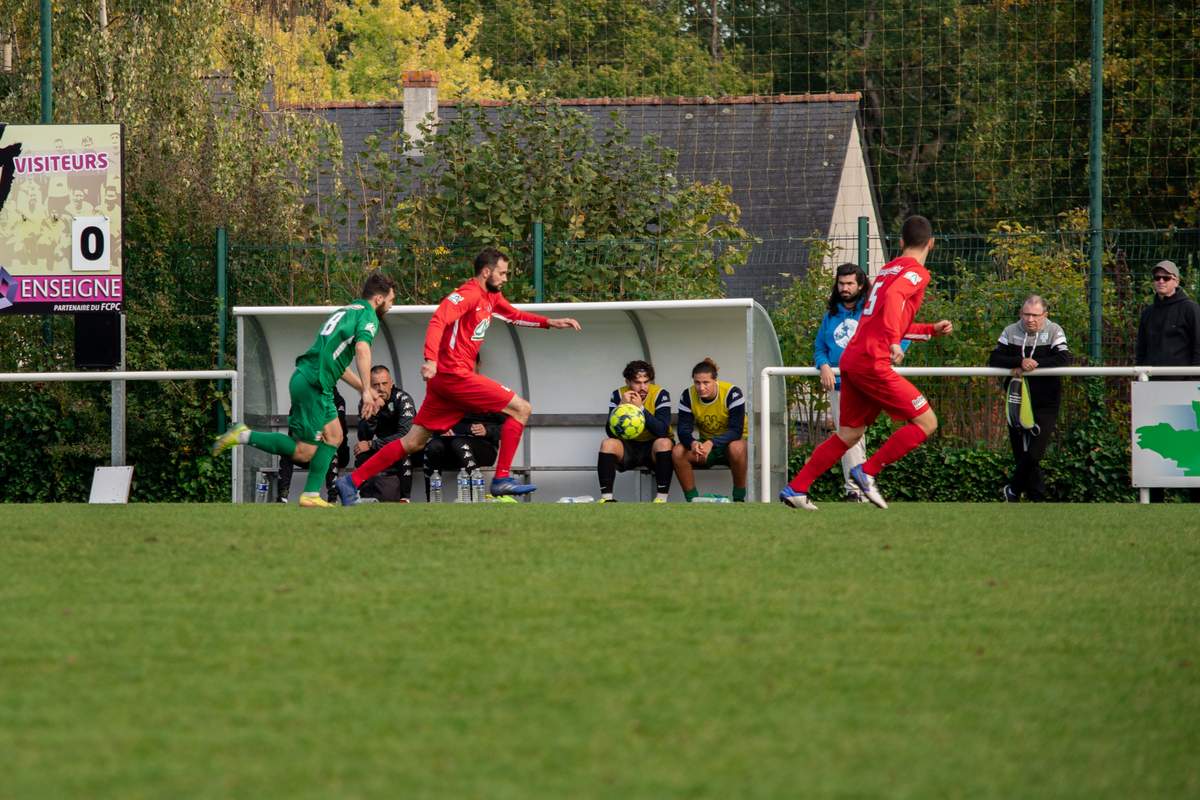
(333, 351)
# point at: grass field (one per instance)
(584, 651)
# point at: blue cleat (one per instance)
(347, 491)
(866, 483)
(502, 487)
(790, 497)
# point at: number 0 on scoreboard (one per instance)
(89, 245)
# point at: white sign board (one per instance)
(1166, 434)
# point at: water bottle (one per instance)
(260, 486)
(476, 485)
(464, 487)
(582, 498)
(711, 498)
(435, 487)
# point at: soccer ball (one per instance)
(627, 421)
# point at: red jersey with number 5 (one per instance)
(456, 331)
(887, 317)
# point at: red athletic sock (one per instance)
(828, 453)
(389, 454)
(898, 445)
(510, 437)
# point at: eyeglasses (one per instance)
(1164, 278)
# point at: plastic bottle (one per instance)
(260, 487)
(477, 485)
(711, 498)
(464, 487)
(435, 487)
(582, 498)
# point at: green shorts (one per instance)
(312, 409)
(719, 455)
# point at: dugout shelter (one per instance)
(568, 376)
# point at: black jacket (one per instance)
(1169, 332)
(490, 422)
(392, 421)
(1048, 347)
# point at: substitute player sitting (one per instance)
(712, 430)
(652, 447)
(314, 432)
(454, 389)
(870, 383)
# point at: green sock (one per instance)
(278, 443)
(739, 494)
(318, 467)
(690, 495)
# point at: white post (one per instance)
(235, 386)
(764, 434)
(1144, 492)
(237, 414)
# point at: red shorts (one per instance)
(448, 398)
(866, 392)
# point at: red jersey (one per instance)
(456, 331)
(896, 296)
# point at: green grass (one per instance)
(583, 651)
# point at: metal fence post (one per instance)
(1096, 189)
(864, 232)
(538, 283)
(222, 312)
(47, 118)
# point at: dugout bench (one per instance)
(528, 472)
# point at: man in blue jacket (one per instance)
(845, 306)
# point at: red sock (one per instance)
(389, 454)
(825, 456)
(510, 437)
(898, 445)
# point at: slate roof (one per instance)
(783, 156)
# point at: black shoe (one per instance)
(1010, 496)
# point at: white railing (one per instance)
(764, 404)
(118, 420)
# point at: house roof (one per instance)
(782, 154)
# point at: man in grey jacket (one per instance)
(1031, 343)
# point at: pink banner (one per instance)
(67, 288)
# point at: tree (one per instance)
(365, 47)
(606, 48)
(617, 222)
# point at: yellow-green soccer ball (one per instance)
(627, 421)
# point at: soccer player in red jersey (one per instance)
(452, 343)
(870, 383)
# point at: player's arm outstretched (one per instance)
(514, 316)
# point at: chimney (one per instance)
(420, 104)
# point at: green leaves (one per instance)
(617, 224)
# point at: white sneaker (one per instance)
(867, 484)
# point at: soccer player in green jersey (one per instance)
(313, 431)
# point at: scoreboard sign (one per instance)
(60, 219)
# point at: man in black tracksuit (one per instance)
(392, 421)
(1023, 347)
(1169, 333)
(473, 442)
